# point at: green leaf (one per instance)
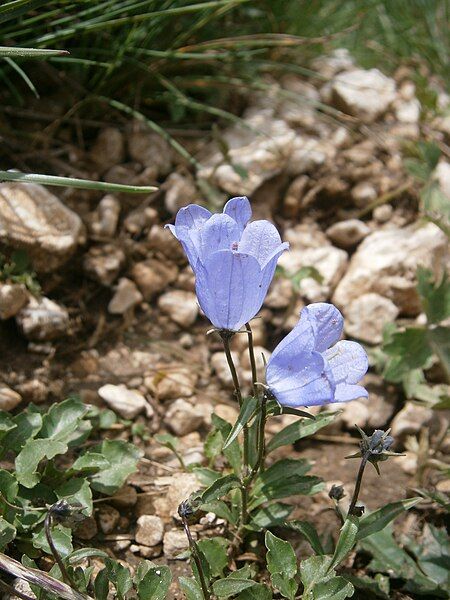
(101, 585)
(215, 551)
(377, 520)
(248, 408)
(120, 576)
(62, 420)
(62, 539)
(30, 457)
(77, 491)
(83, 553)
(8, 486)
(90, 462)
(430, 153)
(168, 440)
(220, 488)
(436, 206)
(233, 452)
(299, 430)
(224, 588)
(6, 423)
(155, 584)
(313, 570)
(346, 541)
(409, 350)
(15, 52)
(308, 531)
(206, 476)
(435, 296)
(256, 592)
(440, 342)
(213, 445)
(282, 565)
(269, 516)
(291, 486)
(221, 509)
(336, 588)
(281, 470)
(7, 532)
(122, 457)
(190, 588)
(28, 423)
(372, 586)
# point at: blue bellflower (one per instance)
(310, 366)
(233, 260)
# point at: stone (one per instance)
(382, 401)
(328, 66)
(180, 487)
(104, 263)
(106, 217)
(172, 382)
(175, 542)
(180, 306)
(408, 111)
(280, 294)
(34, 390)
(13, 297)
(33, 219)
(43, 320)
(108, 518)
(386, 263)
(9, 399)
(305, 235)
(366, 316)
(153, 276)
(227, 412)
(363, 194)
(150, 150)
(329, 261)
(410, 420)
(222, 370)
(366, 94)
(22, 587)
(86, 529)
(109, 148)
(383, 213)
(161, 240)
(347, 234)
(125, 298)
(149, 530)
(354, 413)
(139, 219)
(442, 175)
(127, 403)
(125, 497)
(180, 191)
(183, 418)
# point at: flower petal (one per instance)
(239, 209)
(300, 380)
(218, 233)
(260, 239)
(345, 392)
(188, 224)
(348, 362)
(268, 270)
(327, 323)
(300, 339)
(227, 287)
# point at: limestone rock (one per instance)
(109, 148)
(153, 276)
(127, 403)
(180, 487)
(172, 382)
(13, 297)
(126, 297)
(108, 518)
(175, 542)
(221, 368)
(104, 263)
(180, 306)
(410, 420)
(180, 191)
(43, 320)
(106, 217)
(347, 234)
(183, 418)
(386, 263)
(33, 219)
(365, 94)
(442, 175)
(328, 66)
(382, 401)
(363, 193)
(9, 399)
(149, 531)
(150, 150)
(366, 316)
(161, 240)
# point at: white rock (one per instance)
(363, 193)
(408, 111)
(43, 319)
(13, 297)
(126, 297)
(280, 294)
(383, 213)
(104, 263)
(305, 235)
(183, 418)
(328, 66)
(175, 542)
(171, 383)
(363, 94)
(106, 217)
(410, 420)
(442, 175)
(180, 191)
(127, 403)
(109, 148)
(9, 399)
(108, 518)
(150, 530)
(35, 220)
(153, 276)
(180, 306)
(151, 150)
(180, 487)
(366, 316)
(221, 368)
(307, 153)
(382, 401)
(386, 263)
(348, 233)
(355, 413)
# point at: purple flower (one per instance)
(233, 260)
(311, 366)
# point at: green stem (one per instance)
(197, 560)
(251, 351)
(359, 477)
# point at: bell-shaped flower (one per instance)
(233, 260)
(310, 366)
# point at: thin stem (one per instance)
(226, 337)
(48, 534)
(251, 351)
(196, 557)
(261, 440)
(359, 477)
(12, 592)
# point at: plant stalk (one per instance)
(251, 351)
(196, 556)
(48, 534)
(357, 489)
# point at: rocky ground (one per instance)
(118, 323)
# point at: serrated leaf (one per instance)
(190, 588)
(62, 420)
(346, 540)
(378, 519)
(299, 430)
(155, 584)
(220, 488)
(30, 457)
(122, 457)
(246, 412)
(309, 532)
(62, 539)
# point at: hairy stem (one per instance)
(197, 560)
(357, 489)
